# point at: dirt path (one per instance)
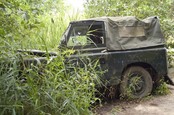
(153, 105)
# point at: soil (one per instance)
(151, 105)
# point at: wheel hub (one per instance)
(136, 83)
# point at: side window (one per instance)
(96, 34)
(83, 35)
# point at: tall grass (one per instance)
(48, 33)
(44, 89)
(50, 89)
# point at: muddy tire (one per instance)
(136, 83)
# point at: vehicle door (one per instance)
(88, 39)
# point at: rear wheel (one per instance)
(136, 83)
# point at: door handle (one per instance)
(103, 51)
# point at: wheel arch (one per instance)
(146, 66)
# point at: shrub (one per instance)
(47, 89)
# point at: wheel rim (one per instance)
(136, 83)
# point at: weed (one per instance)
(132, 85)
(41, 89)
(48, 88)
(161, 89)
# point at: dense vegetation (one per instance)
(27, 24)
(31, 24)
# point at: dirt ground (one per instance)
(152, 105)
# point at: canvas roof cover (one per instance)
(131, 33)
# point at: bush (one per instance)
(47, 89)
(162, 89)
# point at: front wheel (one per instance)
(136, 83)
